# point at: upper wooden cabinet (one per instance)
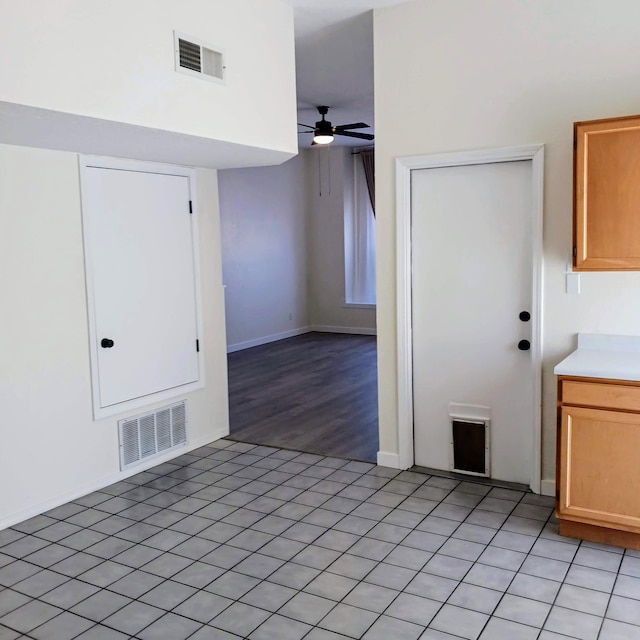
(607, 195)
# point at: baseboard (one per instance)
(363, 331)
(548, 487)
(14, 518)
(386, 459)
(274, 337)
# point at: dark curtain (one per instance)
(368, 162)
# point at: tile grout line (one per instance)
(267, 514)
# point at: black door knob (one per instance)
(524, 345)
(106, 343)
(525, 316)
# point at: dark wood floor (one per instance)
(315, 393)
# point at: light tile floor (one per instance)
(242, 541)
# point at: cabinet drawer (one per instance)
(593, 394)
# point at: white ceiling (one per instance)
(334, 61)
(315, 15)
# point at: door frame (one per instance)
(404, 168)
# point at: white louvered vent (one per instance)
(196, 58)
(145, 436)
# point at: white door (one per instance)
(471, 277)
(140, 263)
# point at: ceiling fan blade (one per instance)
(300, 124)
(353, 134)
(299, 132)
(355, 125)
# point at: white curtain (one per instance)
(360, 243)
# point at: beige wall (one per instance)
(283, 248)
(460, 74)
(52, 450)
(263, 215)
(329, 188)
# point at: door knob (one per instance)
(525, 316)
(106, 343)
(524, 345)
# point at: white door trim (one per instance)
(404, 167)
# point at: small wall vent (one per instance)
(151, 434)
(470, 446)
(470, 449)
(197, 59)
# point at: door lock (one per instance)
(106, 343)
(525, 316)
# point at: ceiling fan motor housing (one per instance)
(324, 127)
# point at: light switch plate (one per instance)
(573, 283)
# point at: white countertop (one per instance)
(603, 356)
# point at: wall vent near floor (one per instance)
(470, 445)
(148, 435)
(197, 59)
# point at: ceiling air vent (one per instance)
(146, 436)
(197, 59)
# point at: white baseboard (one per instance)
(363, 331)
(8, 520)
(548, 487)
(386, 459)
(274, 337)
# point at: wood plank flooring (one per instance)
(315, 393)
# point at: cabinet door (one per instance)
(599, 470)
(607, 195)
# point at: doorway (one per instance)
(469, 229)
(283, 248)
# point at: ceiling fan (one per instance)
(323, 131)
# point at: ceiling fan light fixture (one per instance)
(323, 138)
(323, 133)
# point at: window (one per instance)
(359, 242)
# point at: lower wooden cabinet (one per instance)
(598, 474)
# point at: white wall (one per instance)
(329, 187)
(114, 62)
(264, 252)
(52, 450)
(469, 75)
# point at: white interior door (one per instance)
(140, 261)
(471, 277)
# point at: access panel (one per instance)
(141, 281)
